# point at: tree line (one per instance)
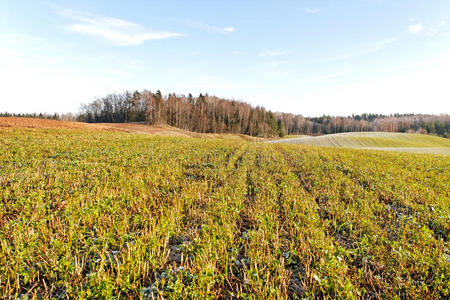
(205, 114)
(409, 123)
(211, 114)
(217, 115)
(47, 116)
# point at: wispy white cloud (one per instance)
(426, 91)
(213, 83)
(275, 64)
(432, 32)
(310, 11)
(273, 53)
(338, 74)
(211, 28)
(415, 28)
(19, 38)
(364, 50)
(439, 28)
(26, 49)
(229, 29)
(117, 31)
(270, 70)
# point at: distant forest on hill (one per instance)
(210, 114)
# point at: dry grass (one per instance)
(295, 136)
(140, 128)
(15, 122)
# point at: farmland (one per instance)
(99, 213)
(389, 141)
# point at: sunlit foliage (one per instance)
(93, 214)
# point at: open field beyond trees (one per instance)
(99, 213)
(389, 141)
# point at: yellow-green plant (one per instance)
(86, 214)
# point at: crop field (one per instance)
(294, 136)
(111, 214)
(405, 142)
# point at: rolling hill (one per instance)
(378, 141)
(13, 123)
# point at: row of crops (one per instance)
(103, 214)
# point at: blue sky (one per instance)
(307, 57)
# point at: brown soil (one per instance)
(15, 122)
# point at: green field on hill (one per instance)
(407, 142)
(98, 214)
